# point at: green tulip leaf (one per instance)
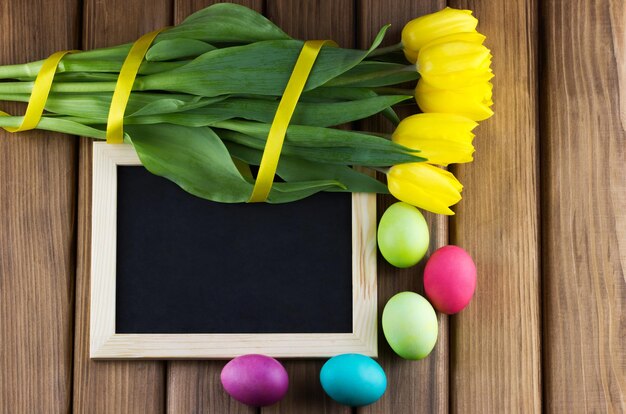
(176, 49)
(375, 74)
(261, 68)
(317, 137)
(194, 158)
(197, 160)
(293, 191)
(295, 169)
(172, 105)
(313, 114)
(186, 119)
(336, 94)
(225, 23)
(328, 155)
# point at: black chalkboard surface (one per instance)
(187, 265)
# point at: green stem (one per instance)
(384, 50)
(113, 52)
(56, 125)
(27, 87)
(15, 97)
(30, 69)
(94, 63)
(11, 121)
(25, 70)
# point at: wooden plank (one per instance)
(495, 342)
(37, 210)
(324, 19)
(583, 140)
(110, 387)
(195, 387)
(422, 386)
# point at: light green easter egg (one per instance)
(410, 325)
(403, 235)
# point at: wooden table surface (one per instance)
(543, 215)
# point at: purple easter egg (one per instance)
(256, 380)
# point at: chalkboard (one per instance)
(177, 276)
(187, 265)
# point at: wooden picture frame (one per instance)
(105, 343)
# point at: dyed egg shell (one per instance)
(410, 325)
(256, 380)
(353, 379)
(450, 279)
(403, 235)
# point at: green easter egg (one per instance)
(403, 235)
(410, 325)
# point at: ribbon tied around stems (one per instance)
(119, 100)
(40, 92)
(126, 79)
(124, 85)
(286, 107)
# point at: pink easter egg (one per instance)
(450, 279)
(255, 380)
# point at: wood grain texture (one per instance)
(413, 386)
(495, 342)
(195, 387)
(583, 150)
(322, 19)
(37, 212)
(110, 387)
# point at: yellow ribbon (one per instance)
(286, 107)
(124, 85)
(40, 92)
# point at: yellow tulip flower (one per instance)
(418, 32)
(411, 55)
(468, 37)
(455, 64)
(472, 101)
(441, 138)
(424, 186)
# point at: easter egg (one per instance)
(256, 380)
(410, 325)
(450, 279)
(403, 235)
(353, 379)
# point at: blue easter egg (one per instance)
(353, 379)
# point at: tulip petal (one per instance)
(454, 64)
(472, 102)
(441, 138)
(424, 186)
(469, 37)
(410, 55)
(424, 29)
(435, 124)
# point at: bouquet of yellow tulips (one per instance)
(206, 95)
